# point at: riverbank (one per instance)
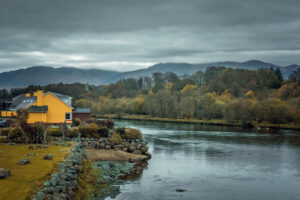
(215, 122)
(112, 155)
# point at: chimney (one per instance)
(39, 97)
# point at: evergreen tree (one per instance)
(278, 74)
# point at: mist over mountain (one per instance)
(43, 75)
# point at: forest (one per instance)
(232, 95)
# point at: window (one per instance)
(68, 116)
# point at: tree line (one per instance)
(234, 95)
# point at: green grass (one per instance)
(25, 180)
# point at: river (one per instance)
(216, 163)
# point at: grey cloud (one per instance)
(122, 35)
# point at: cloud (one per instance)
(127, 35)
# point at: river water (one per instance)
(216, 163)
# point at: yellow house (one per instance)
(51, 108)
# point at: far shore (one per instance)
(215, 122)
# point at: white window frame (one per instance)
(69, 114)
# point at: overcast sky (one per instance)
(131, 34)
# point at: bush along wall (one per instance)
(63, 185)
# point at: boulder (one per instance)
(93, 144)
(125, 149)
(119, 146)
(126, 144)
(24, 161)
(107, 146)
(45, 146)
(48, 157)
(144, 149)
(137, 152)
(139, 146)
(180, 190)
(31, 154)
(102, 145)
(131, 148)
(148, 154)
(4, 173)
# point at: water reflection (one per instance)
(216, 163)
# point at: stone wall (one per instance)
(137, 146)
(63, 184)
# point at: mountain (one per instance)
(42, 75)
(185, 68)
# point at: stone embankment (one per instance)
(137, 146)
(63, 184)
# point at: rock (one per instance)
(148, 154)
(24, 161)
(126, 144)
(125, 149)
(139, 146)
(93, 144)
(119, 146)
(107, 146)
(180, 190)
(137, 152)
(47, 184)
(144, 149)
(48, 157)
(131, 148)
(4, 173)
(102, 145)
(31, 154)
(45, 146)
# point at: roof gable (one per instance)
(63, 98)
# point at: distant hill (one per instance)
(185, 68)
(41, 75)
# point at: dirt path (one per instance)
(112, 155)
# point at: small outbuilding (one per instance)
(81, 113)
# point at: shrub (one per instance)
(109, 123)
(55, 132)
(16, 134)
(120, 130)
(39, 133)
(96, 121)
(94, 125)
(115, 139)
(3, 139)
(132, 134)
(72, 132)
(89, 131)
(103, 131)
(76, 122)
(4, 131)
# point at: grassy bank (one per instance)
(25, 180)
(216, 122)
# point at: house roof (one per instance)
(38, 109)
(65, 98)
(22, 102)
(82, 110)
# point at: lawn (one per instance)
(25, 180)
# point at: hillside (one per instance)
(42, 75)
